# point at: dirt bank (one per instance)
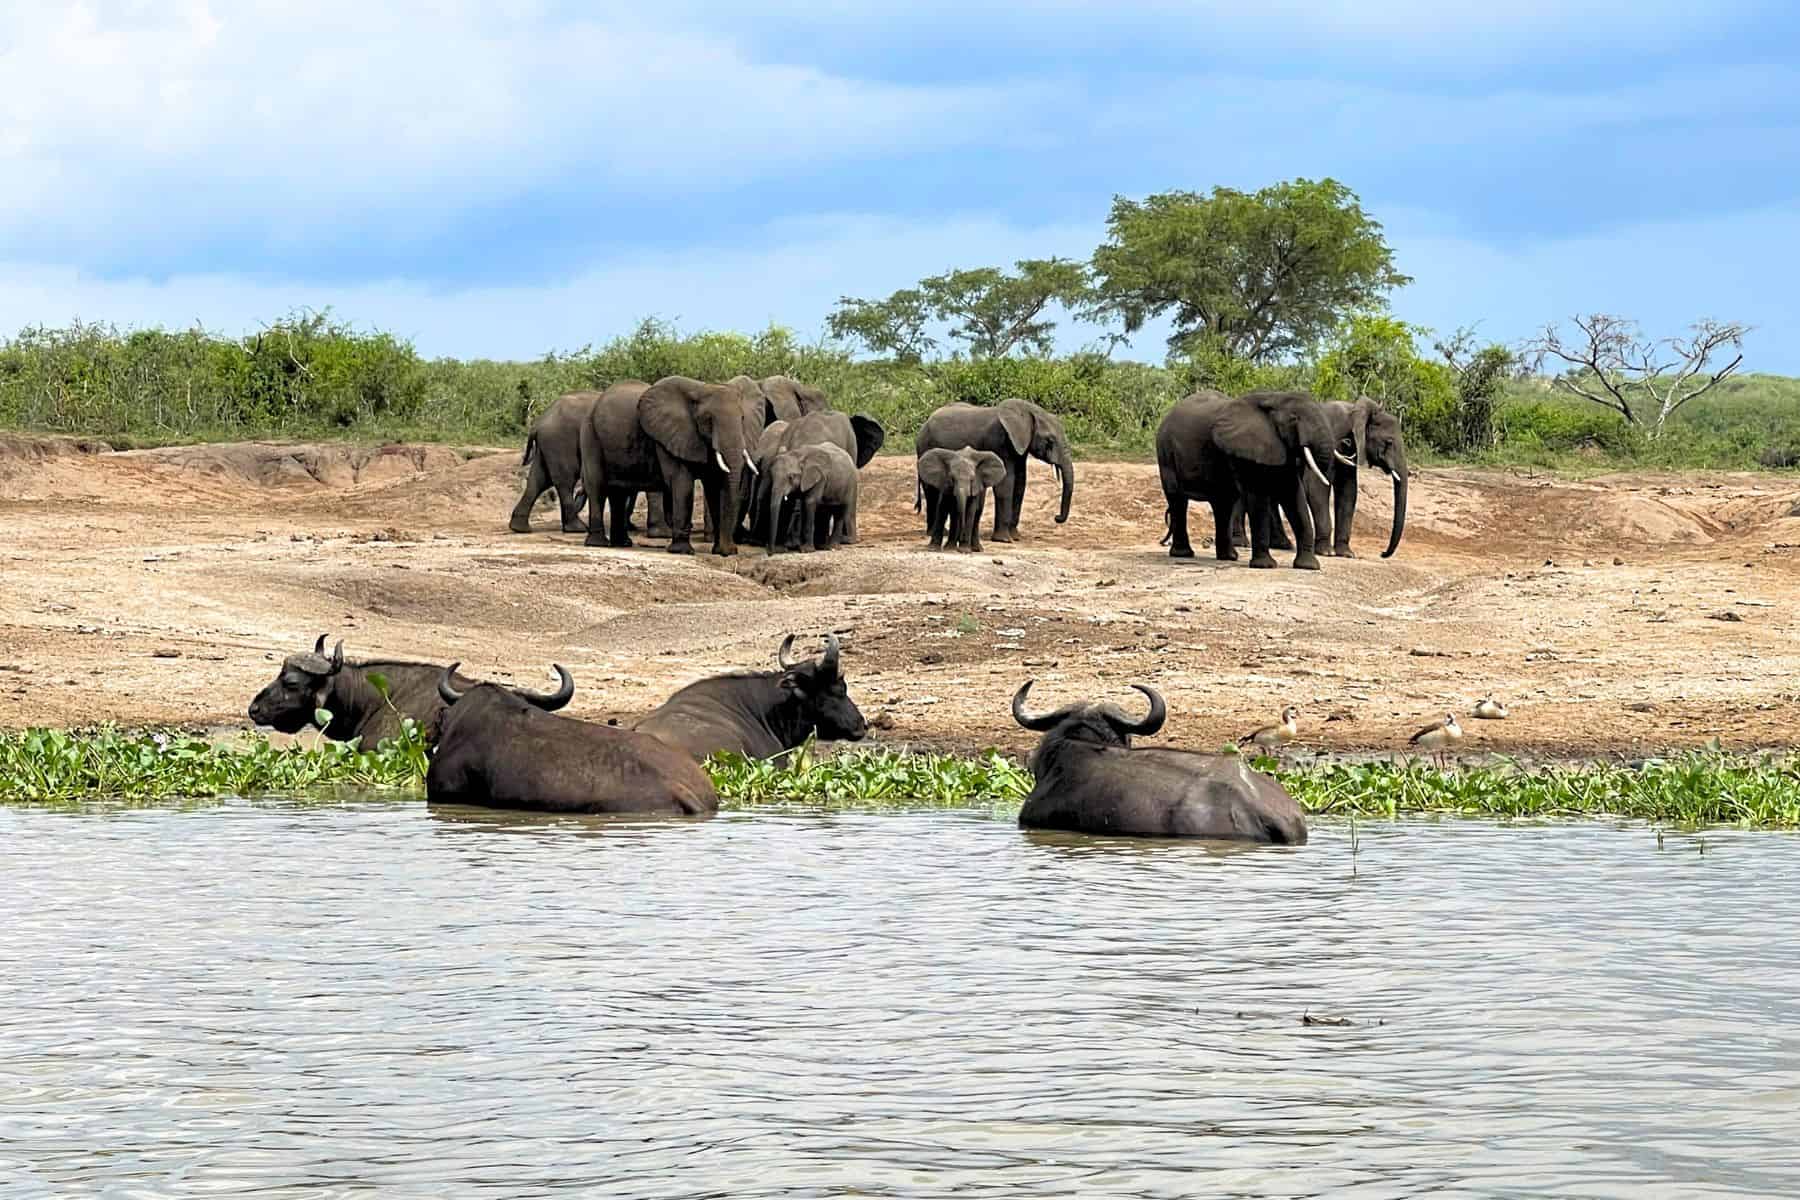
(1627, 613)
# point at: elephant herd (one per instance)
(501, 747)
(779, 467)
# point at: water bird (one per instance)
(1491, 709)
(1271, 736)
(1439, 737)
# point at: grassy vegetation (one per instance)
(311, 375)
(56, 767)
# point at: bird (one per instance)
(1438, 737)
(1491, 709)
(1271, 736)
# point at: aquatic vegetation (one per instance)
(56, 766)
(1705, 787)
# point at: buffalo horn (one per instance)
(448, 694)
(828, 665)
(550, 701)
(337, 657)
(1153, 720)
(781, 655)
(319, 646)
(1036, 723)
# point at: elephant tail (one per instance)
(530, 448)
(1168, 530)
(918, 494)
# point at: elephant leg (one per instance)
(1225, 513)
(656, 514)
(1018, 499)
(1278, 534)
(937, 516)
(1260, 515)
(1294, 502)
(973, 523)
(1238, 523)
(570, 508)
(537, 482)
(1177, 510)
(620, 504)
(809, 513)
(593, 482)
(1004, 518)
(680, 511)
(1318, 503)
(1344, 502)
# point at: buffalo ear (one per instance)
(869, 438)
(1245, 430)
(989, 469)
(666, 413)
(790, 682)
(1016, 419)
(934, 469)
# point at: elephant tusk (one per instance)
(1391, 475)
(751, 463)
(1307, 451)
(1344, 458)
(720, 459)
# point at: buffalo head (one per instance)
(819, 687)
(299, 689)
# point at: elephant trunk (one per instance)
(1399, 512)
(1066, 469)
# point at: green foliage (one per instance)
(1699, 788)
(1204, 362)
(872, 779)
(67, 767)
(1375, 356)
(1267, 275)
(55, 766)
(1480, 382)
(992, 312)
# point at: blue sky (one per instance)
(509, 177)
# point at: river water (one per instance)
(374, 999)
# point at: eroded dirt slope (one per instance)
(1628, 613)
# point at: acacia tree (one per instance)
(1259, 275)
(1615, 366)
(991, 312)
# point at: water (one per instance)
(270, 1001)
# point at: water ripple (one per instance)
(263, 1001)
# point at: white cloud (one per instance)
(199, 122)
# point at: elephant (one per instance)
(821, 480)
(1011, 429)
(789, 399)
(962, 480)
(680, 431)
(1366, 433)
(1213, 447)
(857, 435)
(553, 452)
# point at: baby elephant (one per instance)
(820, 480)
(961, 479)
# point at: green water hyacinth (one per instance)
(108, 765)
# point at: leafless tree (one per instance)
(1615, 366)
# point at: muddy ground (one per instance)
(1624, 614)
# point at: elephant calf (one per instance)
(962, 480)
(1091, 780)
(821, 481)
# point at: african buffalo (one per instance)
(760, 713)
(500, 748)
(307, 682)
(1090, 780)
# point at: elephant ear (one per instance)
(934, 469)
(1360, 412)
(812, 472)
(666, 413)
(784, 405)
(1015, 417)
(989, 469)
(869, 438)
(1245, 430)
